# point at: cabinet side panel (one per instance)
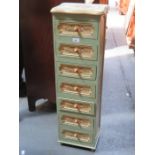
(102, 27)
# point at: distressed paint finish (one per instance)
(77, 89)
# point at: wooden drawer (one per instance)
(76, 70)
(68, 87)
(75, 136)
(78, 51)
(80, 29)
(76, 121)
(76, 106)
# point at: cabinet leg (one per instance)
(31, 104)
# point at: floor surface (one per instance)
(38, 130)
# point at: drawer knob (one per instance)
(76, 49)
(75, 135)
(76, 28)
(76, 120)
(76, 88)
(75, 105)
(76, 70)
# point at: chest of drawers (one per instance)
(79, 41)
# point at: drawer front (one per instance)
(71, 87)
(76, 106)
(77, 29)
(76, 71)
(76, 121)
(75, 136)
(78, 51)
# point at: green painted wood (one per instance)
(69, 39)
(82, 62)
(75, 17)
(92, 147)
(79, 102)
(91, 76)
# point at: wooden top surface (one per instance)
(80, 8)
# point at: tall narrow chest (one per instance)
(79, 41)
